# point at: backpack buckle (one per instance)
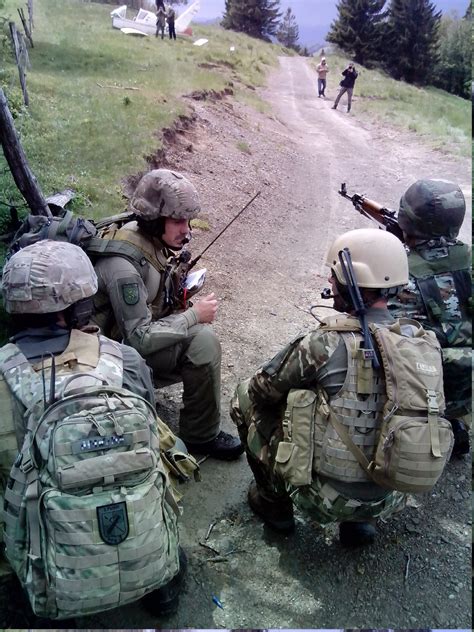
(432, 401)
(24, 461)
(26, 464)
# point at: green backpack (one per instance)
(90, 520)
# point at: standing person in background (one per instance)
(170, 19)
(347, 85)
(160, 4)
(322, 71)
(160, 22)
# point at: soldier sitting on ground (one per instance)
(48, 289)
(439, 290)
(143, 304)
(283, 412)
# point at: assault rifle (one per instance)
(359, 305)
(384, 217)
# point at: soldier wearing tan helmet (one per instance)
(141, 301)
(439, 292)
(47, 289)
(271, 414)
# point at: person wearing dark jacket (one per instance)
(171, 16)
(347, 85)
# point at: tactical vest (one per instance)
(443, 278)
(132, 244)
(359, 405)
(384, 425)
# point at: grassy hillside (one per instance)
(98, 97)
(441, 119)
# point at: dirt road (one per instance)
(267, 269)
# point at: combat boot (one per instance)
(276, 512)
(165, 600)
(352, 534)
(225, 447)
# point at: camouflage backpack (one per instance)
(392, 432)
(90, 520)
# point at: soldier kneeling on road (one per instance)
(347, 419)
(142, 301)
(90, 519)
(439, 290)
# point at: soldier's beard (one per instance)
(340, 304)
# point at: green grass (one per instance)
(243, 147)
(98, 98)
(442, 120)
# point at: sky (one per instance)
(315, 16)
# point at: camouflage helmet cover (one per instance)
(378, 258)
(46, 277)
(432, 208)
(165, 193)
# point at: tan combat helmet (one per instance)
(378, 258)
(48, 276)
(165, 193)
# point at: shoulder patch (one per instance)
(130, 293)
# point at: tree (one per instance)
(412, 40)
(357, 29)
(288, 31)
(258, 18)
(453, 71)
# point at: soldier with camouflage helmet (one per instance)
(323, 361)
(47, 290)
(143, 305)
(439, 290)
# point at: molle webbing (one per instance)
(134, 246)
(358, 406)
(101, 358)
(458, 258)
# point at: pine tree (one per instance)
(288, 31)
(453, 71)
(412, 40)
(258, 18)
(357, 29)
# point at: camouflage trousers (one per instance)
(457, 379)
(261, 435)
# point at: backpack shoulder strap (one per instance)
(111, 361)
(340, 322)
(100, 247)
(14, 364)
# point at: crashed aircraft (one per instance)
(144, 22)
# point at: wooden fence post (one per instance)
(18, 163)
(25, 26)
(30, 15)
(19, 62)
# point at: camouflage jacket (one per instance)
(132, 305)
(319, 358)
(438, 292)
